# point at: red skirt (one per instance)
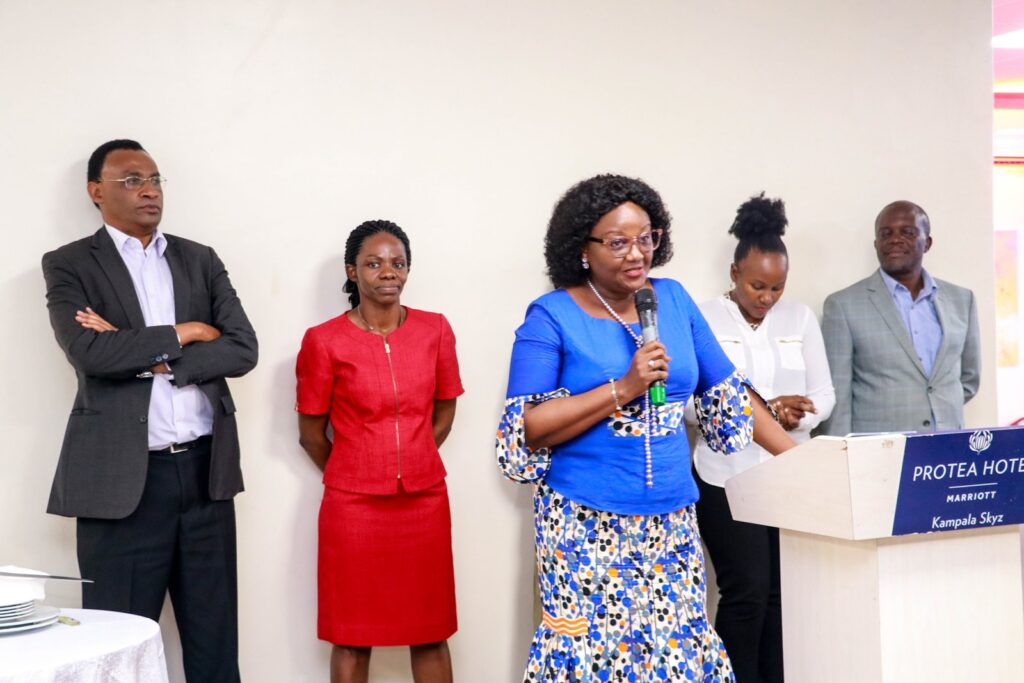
(385, 574)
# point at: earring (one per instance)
(586, 263)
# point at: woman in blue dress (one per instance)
(618, 552)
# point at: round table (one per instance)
(106, 646)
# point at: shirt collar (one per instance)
(734, 310)
(121, 239)
(927, 290)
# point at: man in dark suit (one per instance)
(150, 460)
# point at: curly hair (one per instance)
(760, 224)
(579, 210)
(355, 241)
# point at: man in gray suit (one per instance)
(903, 347)
(150, 460)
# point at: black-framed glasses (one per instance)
(620, 246)
(135, 182)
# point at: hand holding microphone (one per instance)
(647, 309)
(649, 368)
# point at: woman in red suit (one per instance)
(385, 377)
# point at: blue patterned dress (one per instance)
(620, 564)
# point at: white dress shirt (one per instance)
(784, 356)
(176, 414)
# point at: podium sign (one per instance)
(900, 558)
(961, 480)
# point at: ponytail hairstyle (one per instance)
(760, 224)
(354, 244)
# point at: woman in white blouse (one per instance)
(778, 345)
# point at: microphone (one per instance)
(647, 309)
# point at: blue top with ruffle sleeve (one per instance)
(559, 346)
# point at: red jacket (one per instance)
(380, 394)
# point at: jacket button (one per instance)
(143, 419)
(927, 423)
(931, 389)
(165, 357)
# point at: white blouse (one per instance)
(785, 355)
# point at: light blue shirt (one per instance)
(176, 414)
(919, 317)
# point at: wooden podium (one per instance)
(862, 605)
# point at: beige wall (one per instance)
(281, 125)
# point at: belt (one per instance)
(182, 447)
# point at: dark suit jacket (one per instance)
(103, 462)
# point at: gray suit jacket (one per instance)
(102, 467)
(879, 381)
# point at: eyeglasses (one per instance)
(136, 182)
(646, 242)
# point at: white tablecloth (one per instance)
(107, 646)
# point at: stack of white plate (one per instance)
(25, 616)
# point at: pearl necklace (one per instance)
(638, 340)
